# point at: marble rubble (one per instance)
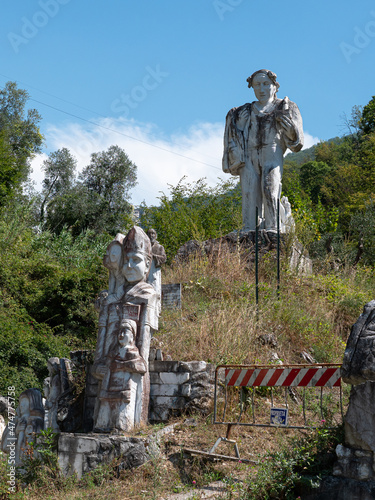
(125, 386)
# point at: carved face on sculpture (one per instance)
(136, 266)
(112, 257)
(151, 233)
(264, 88)
(53, 365)
(30, 401)
(24, 405)
(126, 336)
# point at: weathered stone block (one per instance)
(174, 378)
(84, 444)
(359, 358)
(354, 463)
(155, 378)
(169, 402)
(360, 417)
(159, 414)
(165, 390)
(79, 453)
(185, 390)
(171, 296)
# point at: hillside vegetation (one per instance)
(52, 244)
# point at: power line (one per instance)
(125, 135)
(106, 128)
(55, 96)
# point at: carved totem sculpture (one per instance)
(21, 429)
(128, 314)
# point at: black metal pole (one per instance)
(256, 258)
(278, 249)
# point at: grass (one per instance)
(219, 321)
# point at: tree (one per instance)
(194, 211)
(108, 180)
(10, 176)
(99, 199)
(20, 128)
(59, 176)
(367, 122)
(313, 175)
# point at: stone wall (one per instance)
(178, 386)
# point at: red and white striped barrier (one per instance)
(285, 377)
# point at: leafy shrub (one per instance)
(295, 468)
(194, 212)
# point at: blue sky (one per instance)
(167, 72)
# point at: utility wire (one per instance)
(54, 96)
(103, 127)
(125, 135)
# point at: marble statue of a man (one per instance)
(255, 140)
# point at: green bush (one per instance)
(194, 212)
(296, 468)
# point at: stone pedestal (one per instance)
(354, 463)
(360, 417)
(81, 453)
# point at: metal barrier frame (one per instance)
(287, 387)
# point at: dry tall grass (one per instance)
(219, 321)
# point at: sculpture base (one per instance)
(81, 453)
(244, 243)
(354, 463)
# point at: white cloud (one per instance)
(37, 174)
(160, 161)
(310, 140)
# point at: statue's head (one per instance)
(151, 233)
(264, 84)
(53, 365)
(112, 257)
(137, 255)
(30, 401)
(127, 332)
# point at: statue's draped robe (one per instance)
(254, 146)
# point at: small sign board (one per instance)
(171, 296)
(131, 311)
(279, 416)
